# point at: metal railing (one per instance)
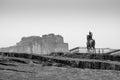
(84, 50)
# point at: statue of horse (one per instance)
(91, 45)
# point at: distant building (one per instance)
(39, 45)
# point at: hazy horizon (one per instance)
(72, 19)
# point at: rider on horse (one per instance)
(89, 37)
(90, 41)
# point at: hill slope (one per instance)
(21, 71)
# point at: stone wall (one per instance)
(39, 45)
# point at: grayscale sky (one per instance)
(70, 18)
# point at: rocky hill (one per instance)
(59, 66)
(39, 45)
(19, 69)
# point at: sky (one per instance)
(72, 19)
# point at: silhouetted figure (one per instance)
(89, 37)
(90, 42)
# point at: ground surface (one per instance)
(11, 70)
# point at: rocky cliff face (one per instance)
(39, 45)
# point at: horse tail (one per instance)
(93, 43)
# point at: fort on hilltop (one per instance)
(39, 45)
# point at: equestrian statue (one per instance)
(90, 43)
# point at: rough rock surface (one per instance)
(38, 72)
(39, 45)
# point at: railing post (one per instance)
(102, 50)
(99, 51)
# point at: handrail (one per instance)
(98, 50)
